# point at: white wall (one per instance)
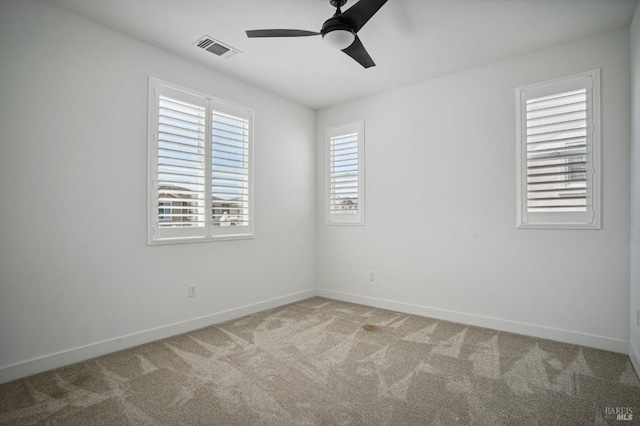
(440, 228)
(77, 278)
(634, 347)
(75, 270)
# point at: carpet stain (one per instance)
(372, 328)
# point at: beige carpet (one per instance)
(323, 362)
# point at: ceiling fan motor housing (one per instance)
(336, 23)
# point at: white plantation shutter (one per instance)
(200, 167)
(230, 170)
(558, 153)
(345, 181)
(344, 175)
(181, 163)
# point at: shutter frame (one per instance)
(560, 150)
(167, 162)
(345, 192)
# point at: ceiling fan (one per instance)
(340, 31)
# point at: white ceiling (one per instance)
(410, 40)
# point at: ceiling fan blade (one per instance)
(357, 51)
(361, 12)
(280, 33)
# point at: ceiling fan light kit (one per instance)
(339, 39)
(339, 31)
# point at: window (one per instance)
(200, 185)
(345, 176)
(558, 150)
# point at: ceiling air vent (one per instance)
(216, 47)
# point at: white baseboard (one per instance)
(566, 336)
(60, 359)
(634, 355)
(48, 362)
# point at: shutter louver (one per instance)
(230, 170)
(556, 152)
(344, 175)
(181, 163)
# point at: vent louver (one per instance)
(216, 47)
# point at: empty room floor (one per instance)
(325, 362)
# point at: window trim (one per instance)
(559, 220)
(346, 220)
(208, 232)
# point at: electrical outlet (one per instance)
(372, 276)
(192, 291)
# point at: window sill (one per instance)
(187, 240)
